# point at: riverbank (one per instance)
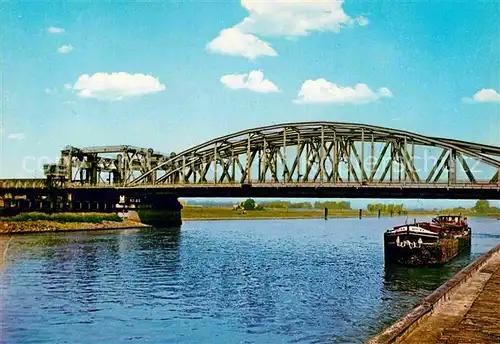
(220, 213)
(40, 222)
(190, 213)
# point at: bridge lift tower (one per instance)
(102, 165)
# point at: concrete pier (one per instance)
(466, 309)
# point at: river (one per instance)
(255, 281)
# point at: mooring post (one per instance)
(326, 213)
(360, 213)
(379, 213)
(392, 212)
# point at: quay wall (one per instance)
(403, 327)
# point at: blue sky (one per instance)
(431, 67)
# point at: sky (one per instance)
(174, 74)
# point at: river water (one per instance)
(257, 281)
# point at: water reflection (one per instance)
(409, 279)
(224, 281)
(59, 248)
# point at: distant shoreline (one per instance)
(226, 213)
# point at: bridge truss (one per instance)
(327, 153)
(308, 159)
(112, 165)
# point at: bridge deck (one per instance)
(270, 189)
(41, 183)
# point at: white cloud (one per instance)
(17, 136)
(54, 29)
(486, 95)
(234, 42)
(64, 49)
(295, 18)
(254, 81)
(280, 18)
(385, 92)
(68, 86)
(322, 91)
(116, 86)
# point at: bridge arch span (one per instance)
(331, 153)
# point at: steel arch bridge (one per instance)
(328, 153)
(305, 159)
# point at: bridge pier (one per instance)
(157, 209)
(160, 210)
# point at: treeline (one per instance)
(333, 205)
(307, 205)
(285, 204)
(484, 207)
(386, 208)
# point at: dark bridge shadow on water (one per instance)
(158, 238)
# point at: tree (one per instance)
(249, 204)
(333, 205)
(482, 206)
(301, 205)
(277, 204)
(386, 208)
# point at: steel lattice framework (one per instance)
(112, 165)
(308, 159)
(327, 153)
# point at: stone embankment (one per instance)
(466, 309)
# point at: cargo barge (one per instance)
(427, 243)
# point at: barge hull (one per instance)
(428, 253)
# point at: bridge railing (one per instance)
(23, 183)
(270, 184)
(42, 183)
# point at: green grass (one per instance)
(200, 213)
(221, 213)
(65, 217)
